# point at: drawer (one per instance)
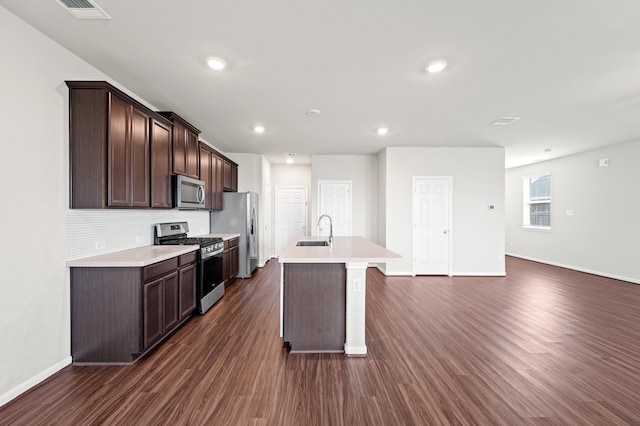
(186, 259)
(159, 269)
(234, 242)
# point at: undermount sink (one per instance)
(313, 243)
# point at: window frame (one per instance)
(527, 201)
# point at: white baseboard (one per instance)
(479, 274)
(33, 381)
(455, 274)
(576, 268)
(355, 350)
(393, 274)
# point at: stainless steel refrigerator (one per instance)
(239, 215)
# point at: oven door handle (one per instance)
(212, 254)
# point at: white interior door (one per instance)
(268, 250)
(431, 225)
(291, 215)
(334, 199)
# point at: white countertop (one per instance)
(225, 237)
(135, 257)
(344, 250)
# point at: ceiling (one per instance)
(569, 69)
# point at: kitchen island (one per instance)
(323, 294)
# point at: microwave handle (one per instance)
(200, 194)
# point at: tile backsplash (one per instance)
(93, 232)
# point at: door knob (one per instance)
(446, 232)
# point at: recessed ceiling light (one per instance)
(382, 130)
(259, 129)
(216, 64)
(314, 112)
(504, 121)
(436, 66)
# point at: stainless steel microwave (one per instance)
(189, 193)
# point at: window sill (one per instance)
(537, 228)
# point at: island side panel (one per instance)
(314, 306)
(106, 316)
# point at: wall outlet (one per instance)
(101, 245)
(569, 212)
(139, 239)
(603, 162)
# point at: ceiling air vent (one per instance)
(83, 9)
(289, 157)
(504, 121)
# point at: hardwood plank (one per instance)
(541, 346)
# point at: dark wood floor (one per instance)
(542, 346)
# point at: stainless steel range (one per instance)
(209, 282)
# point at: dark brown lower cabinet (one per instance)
(230, 260)
(119, 314)
(234, 256)
(314, 314)
(160, 307)
(186, 291)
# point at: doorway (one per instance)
(432, 225)
(291, 215)
(334, 199)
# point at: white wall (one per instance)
(249, 171)
(382, 198)
(478, 180)
(602, 235)
(34, 291)
(267, 241)
(42, 231)
(362, 171)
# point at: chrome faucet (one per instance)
(330, 228)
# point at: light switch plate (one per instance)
(357, 285)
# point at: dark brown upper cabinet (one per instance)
(211, 172)
(217, 164)
(230, 176)
(206, 174)
(109, 147)
(185, 146)
(161, 154)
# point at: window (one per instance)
(537, 202)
